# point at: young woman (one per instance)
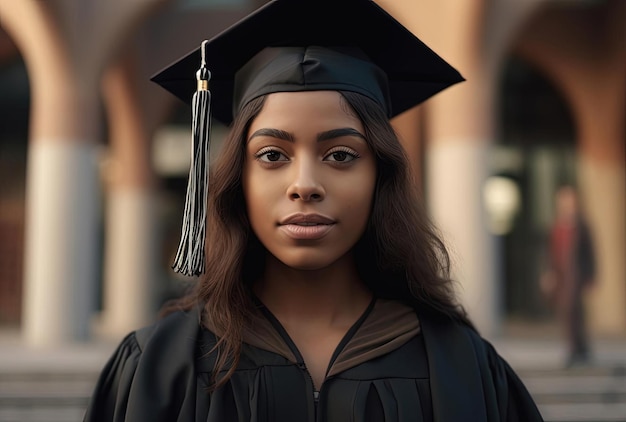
(327, 295)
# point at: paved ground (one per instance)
(14, 356)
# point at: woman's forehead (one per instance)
(306, 109)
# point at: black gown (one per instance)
(390, 366)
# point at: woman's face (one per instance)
(308, 178)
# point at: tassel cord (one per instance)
(190, 259)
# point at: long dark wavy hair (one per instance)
(400, 256)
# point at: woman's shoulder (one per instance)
(455, 339)
(497, 392)
(146, 367)
(172, 338)
(183, 324)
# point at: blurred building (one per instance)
(93, 157)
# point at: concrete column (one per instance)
(131, 266)
(408, 127)
(456, 171)
(602, 178)
(603, 186)
(460, 135)
(61, 241)
(131, 271)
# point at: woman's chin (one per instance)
(307, 260)
(306, 264)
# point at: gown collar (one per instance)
(385, 326)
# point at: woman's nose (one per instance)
(306, 185)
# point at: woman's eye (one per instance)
(270, 156)
(342, 156)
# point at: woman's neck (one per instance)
(328, 296)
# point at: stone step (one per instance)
(615, 370)
(596, 398)
(581, 394)
(42, 414)
(584, 412)
(576, 385)
(51, 400)
(16, 386)
(28, 398)
(45, 396)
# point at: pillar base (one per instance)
(62, 218)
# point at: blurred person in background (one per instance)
(571, 270)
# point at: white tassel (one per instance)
(190, 257)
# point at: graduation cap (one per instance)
(295, 45)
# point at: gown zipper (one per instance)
(300, 360)
(316, 393)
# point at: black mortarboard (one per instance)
(304, 45)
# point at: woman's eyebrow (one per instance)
(273, 133)
(338, 133)
(322, 136)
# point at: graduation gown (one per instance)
(391, 366)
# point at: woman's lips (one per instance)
(306, 219)
(306, 231)
(306, 226)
